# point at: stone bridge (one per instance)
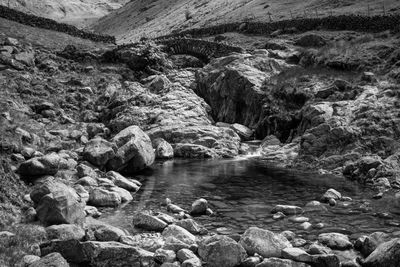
(203, 50)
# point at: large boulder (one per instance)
(45, 165)
(57, 203)
(179, 233)
(200, 141)
(99, 151)
(119, 180)
(135, 151)
(221, 251)
(100, 197)
(367, 244)
(335, 241)
(263, 242)
(233, 86)
(385, 255)
(148, 222)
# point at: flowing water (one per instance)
(242, 193)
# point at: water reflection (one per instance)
(242, 192)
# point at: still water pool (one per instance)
(242, 193)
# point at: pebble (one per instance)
(278, 216)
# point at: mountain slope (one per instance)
(76, 12)
(159, 17)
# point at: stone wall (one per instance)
(49, 24)
(343, 22)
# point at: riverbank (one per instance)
(79, 125)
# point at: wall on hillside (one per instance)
(340, 23)
(49, 24)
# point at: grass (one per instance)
(25, 242)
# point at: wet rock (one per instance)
(306, 226)
(331, 194)
(386, 254)
(65, 232)
(289, 235)
(124, 194)
(192, 226)
(326, 260)
(51, 260)
(164, 149)
(135, 151)
(287, 209)
(121, 181)
(278, 216)
(46, 165)
(263, 242)
(164, 256)
(299, 219)
(315, 206)
(335, 241)
(199, 207)
(276, 262)
(221, 251)
(57, 203)
(179, 233)
(99, 151)
(175, 244)
(244, 132)
(174, 208)
(367, 244)
(148, 222)
(100, 197)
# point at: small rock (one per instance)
(163, 256)
(287, 209)
(199, 207)
(148, 222)
(335, 241)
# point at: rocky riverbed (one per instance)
(80, 129)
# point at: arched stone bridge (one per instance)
(203, 50)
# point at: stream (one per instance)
(243, 191)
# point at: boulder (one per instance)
(221, 251)
(45, 165)
(124, 194)
(100, 197)
(105, 232)
(263, 242)
(331, 194)
(311, 40)
(385, 255)
(148, 222)
(296, 254)
(335, 241)
(180, 234)
(57, 203)
(199, 207)
(164, 150)
(192, 226)
(121, 181)
(367, 244)
(135, 151)
(99, 151)
(149, 242)
(244, 132)
(51, 260)
(103, 254)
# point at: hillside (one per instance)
(76, 12)
(159, 17)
